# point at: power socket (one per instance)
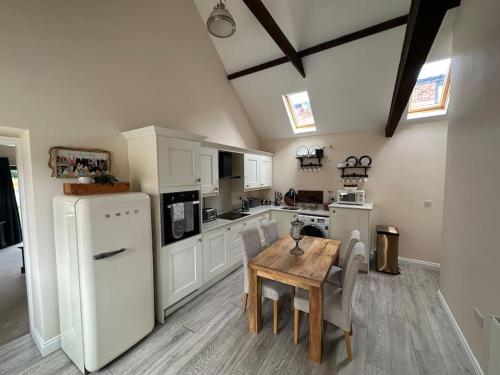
(478, 317)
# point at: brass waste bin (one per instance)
(387, 249)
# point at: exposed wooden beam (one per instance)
(383, 26)
(424, 21)
(267, 21)
(379, 27)
(375, 29)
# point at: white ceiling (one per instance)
(350, 86)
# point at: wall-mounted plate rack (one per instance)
(309, 159)
(354, 174)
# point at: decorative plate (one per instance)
(365, 161)
(351, 161)
(302, 151)
(312, 150)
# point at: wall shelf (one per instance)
(354, 174)
(309, 159)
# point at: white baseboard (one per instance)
(420, 263)
(45, 347)
(463, 340)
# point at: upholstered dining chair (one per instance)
(337, 301)
(270, 231)
(273, 290)
(336, 276)
(271, 235)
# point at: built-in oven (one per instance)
(180, 216)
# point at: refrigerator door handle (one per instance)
(108, 254)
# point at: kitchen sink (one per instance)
(290, 208)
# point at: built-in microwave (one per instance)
(351, 197)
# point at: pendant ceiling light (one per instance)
(220, 22)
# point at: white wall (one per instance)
(407, 169)
(471, 257)
(78, 73)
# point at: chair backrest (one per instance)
(347, 243)
(251, 245)
(271, 233)
(351, 271)
(353, 239)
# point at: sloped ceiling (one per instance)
(350, 86)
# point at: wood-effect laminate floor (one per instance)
(14, 320)
(400, 327)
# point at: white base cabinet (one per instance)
(283, 220)
(233, 243)
(215, 253)
(344, 220)
(182, 270)
(222, 247)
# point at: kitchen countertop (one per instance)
(219, 223)
(366, 206)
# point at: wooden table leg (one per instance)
(315, 323)
(255, 287)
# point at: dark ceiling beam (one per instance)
(383, 26)
(424, 21)
(375, 29)
(378, 28)
(267, 21)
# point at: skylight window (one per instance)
(431, 93)
(299, 112)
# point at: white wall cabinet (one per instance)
(345, 220)
(283, 220)
(215, 254)
(251, 169)
(266, 171)
(178, 162)
(258, 170)
(209, 171)
(182, 270)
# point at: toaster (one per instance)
(209, 214)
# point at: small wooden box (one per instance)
(89, 189)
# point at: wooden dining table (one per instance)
(307, 271)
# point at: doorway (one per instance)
(14, 310)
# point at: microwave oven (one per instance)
(351, 197)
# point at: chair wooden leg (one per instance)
(276, 313)
(350, 333)
(245, 301)
(292, 294)
(296, 320)
(347, 339)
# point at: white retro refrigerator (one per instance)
(105, 275)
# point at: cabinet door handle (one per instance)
(228, 229)
(198, 180)
(333, 211)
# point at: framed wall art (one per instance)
(67, 162)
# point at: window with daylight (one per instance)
(431, 93)
(299, 112)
